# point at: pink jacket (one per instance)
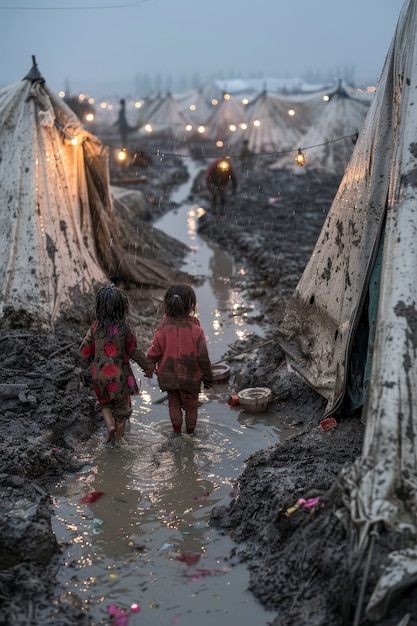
(179, 350)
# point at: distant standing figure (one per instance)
(179, 351)
(218, 175)
(124, 127)
(108, 346)
(245, 156)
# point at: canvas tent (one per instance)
(362, 274)
(165, 118)
(268, 125)
(229, 111)
(330, 137)
(195, 106)
(57, 227)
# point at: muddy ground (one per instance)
(301, 564)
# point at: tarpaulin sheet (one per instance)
(379, 190)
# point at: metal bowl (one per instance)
(221, 373)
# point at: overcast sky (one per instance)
(100, 46)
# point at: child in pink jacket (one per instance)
(179, 351)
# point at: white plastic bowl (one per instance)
(255, 399)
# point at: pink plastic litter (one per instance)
(189, 559)
(91, 497)
(119, 617)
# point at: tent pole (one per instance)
(374, 534)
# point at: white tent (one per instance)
(194, 105)
(165, 118)
(268, 125)
(365, 259)
(46, 238)
(229, 112)
(335, 119)
(59, 236)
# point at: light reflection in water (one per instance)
(158, 492)
(222, 310)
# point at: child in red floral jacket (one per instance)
(179, 351)
(108, 346)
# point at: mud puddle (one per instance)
(145, 541)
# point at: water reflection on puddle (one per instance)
(146, 540)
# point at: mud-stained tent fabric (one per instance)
(330, 138)
(376, 203)
(56, 213)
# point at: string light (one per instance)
(219, 144)
(300, 158)
(223, 165)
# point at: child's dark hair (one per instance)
(112, 307)
(180, 300)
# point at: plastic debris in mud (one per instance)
(233, 400)
(188, 559)
(136, 543)
(91, 497)
(201, 572)
(203, 497)
(119, 617)
(96, 525)
(328, 423)
(311, 504)
(165, 547)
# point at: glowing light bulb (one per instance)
(300, 158)
(224, 165)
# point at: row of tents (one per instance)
(322, 122)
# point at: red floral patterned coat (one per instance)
(110, 354)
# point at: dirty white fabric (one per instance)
(59, 235)
(343, 115)
(166, 118)
(46, 241)
(399, 574)
(319, 325)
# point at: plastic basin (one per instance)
(255, 399)
(221, 373)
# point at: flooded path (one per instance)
(145, 541)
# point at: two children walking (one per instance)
(178, 355)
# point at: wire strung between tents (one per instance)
(162, 154)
